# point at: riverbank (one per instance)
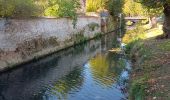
(151, 66)
(24, 40)
(73, 74)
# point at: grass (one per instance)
(152, 60)
(137, 90)
(165, 46)
(142, 32)
(148, 57)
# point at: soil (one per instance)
(156, 67)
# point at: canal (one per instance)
(84, 72)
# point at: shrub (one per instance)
(17, 8)
(63, 8)
(94, 5)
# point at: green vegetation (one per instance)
(132, 8)
(62, 8)
(95, 5)
(92, 26)
(37, 8)
(155, 7)
(141, 32)
(28, 8)
(113, 6)
(78, 38)
(97, 35)
(18, 8)
(150, 63)
(137, 90)
(133, 35)
(149, 71)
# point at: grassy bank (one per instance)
(151, 64)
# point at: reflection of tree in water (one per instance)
(120, 69)
(106, 68)
(101, 70)
(79, 48)
(69, 83)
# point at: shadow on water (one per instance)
(84, 72)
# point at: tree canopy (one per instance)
(16, 8)
(132, 8)
(154, 3)
(27, 8)
(154, 7)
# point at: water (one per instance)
(83, 72)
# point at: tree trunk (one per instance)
(166, 25)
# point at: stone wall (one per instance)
(26, 39)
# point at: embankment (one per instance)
(27, 39)
(151, 66)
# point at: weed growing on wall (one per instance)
(93, 26)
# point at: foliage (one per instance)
(18, 8)
(153, 3)
(133, 35)
(132, 8)
(94, 5)
(98, 35)
(155, 7)
(93, 26)
(137, 90)
(79, 37)
(115, 7)
(28, 8)
(63, 8)
(130, 45)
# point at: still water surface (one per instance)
(84, 72)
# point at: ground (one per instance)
(153, 66)
(150, 77)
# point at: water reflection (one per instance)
(101, 78)
(101, 68)
(84, 72)
(60, 90)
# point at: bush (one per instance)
(94, 5)
(18, 8)
(63, 8)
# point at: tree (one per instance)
(63, 8)
(95, 5)
(17, 8)
(164, 7)
(115, 6)
(131, 8)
